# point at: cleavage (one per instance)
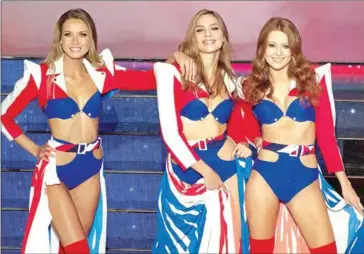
(208, 102)
(81, 87)
(285, 106)
(85, 101)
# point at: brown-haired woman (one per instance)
(294, 111)
(68, 186)
(198, 207)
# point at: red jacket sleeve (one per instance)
(121, 78)
(128, 79)
(24, 92)
(242, 125)
(325, 130)
(169, 91)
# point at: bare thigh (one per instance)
(65, 218)
(73, 210)
(262, 207)
(309, 211)
(86, 197)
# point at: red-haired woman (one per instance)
(294, 107)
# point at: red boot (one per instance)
(326, 249)
(60, 249)
(262, 245)
(79, 247)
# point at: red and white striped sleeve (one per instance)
(169, 90)
(25, 90)
(127, 79)
(325, 122)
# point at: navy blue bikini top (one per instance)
(197, 110)
(268, 112)
(65, 108)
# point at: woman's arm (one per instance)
(25, 91)
(135, 80)
(187, 65)
(326, 139)
(118, 77)
(325, 128)
(169, 91)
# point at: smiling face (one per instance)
(75, 38)
(278, 52)
(209, 35)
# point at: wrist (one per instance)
(206, 170)
(345, 183)
(208, 173)
(244, 144)
(343, 179)
(36, 151)
(258, 142)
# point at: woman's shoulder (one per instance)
(35, 70)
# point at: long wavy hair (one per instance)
(56, 49)
(189, 47)
(258, 83)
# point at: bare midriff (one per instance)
(209, 128)
(289, 132)
(80, 128)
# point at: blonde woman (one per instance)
(199, 208)
(68, 187)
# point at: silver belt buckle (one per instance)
(81, 149)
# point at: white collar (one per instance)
(98, 77)
(292, 85)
